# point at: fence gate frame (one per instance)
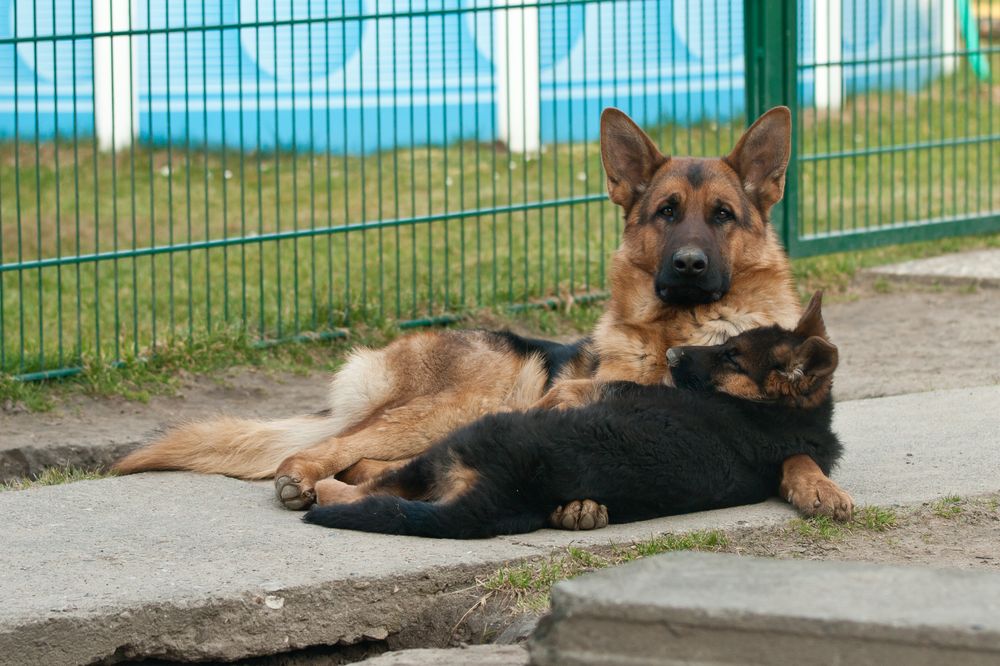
(772, 73)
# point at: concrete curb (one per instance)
(684, 608)
(976, 269)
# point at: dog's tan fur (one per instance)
(391, 404)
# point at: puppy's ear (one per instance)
(811, 321)
(630, 158)
(761, 157)
(816, 357)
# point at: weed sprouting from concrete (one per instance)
(54, 476)
(529, 583)
(875, 518)
(947, 507)
(824, 528)
(819, 527)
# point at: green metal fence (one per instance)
(260, 191)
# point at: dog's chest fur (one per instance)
(633, 336)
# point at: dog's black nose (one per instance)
(689, 262)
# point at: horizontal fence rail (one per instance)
(202, 169)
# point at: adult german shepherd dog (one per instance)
(698, 263)
(718, 439)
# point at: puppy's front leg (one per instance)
(808, 489)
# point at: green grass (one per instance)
(866, 518)
(948, 507)
(54, 476)
(875, 518)
(529, 583)
(159, 373)
(120, 311)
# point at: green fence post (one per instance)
(771, 39)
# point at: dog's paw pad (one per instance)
(576, 515)
(293, 493)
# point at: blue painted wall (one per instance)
(360, 85)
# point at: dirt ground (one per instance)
(964, 533)
(909, 340)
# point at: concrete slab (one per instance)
(193, 567)
(703, 608)
(474, 655)
(980, 268)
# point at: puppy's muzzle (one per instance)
(674, 357)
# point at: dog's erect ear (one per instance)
(811, 321)
(816, 357)
(630, 157)
(761, 157)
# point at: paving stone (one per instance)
(704, 608)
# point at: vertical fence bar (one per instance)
(771, 35)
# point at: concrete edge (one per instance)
(30, 460)
(869, 276)
(402, 610)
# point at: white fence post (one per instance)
(829, 48)
(116, 117)
(517, 71)
(949, 33)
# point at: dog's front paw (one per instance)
(577, 515)
(821, 497)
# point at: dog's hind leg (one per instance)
(395, 434)
(367, 469)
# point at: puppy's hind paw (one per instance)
(577, 515)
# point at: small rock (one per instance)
(519, 630)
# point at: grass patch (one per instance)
(114, 311)
(947, 507)
(530, 583)
(54, 476)
(159, 372)
(824, 528)
(819, 528)
(875, 518)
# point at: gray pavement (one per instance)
(197, 567)
(709, 608)
(981, 268)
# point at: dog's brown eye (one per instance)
(730, 358)
(667, 212)
(723, 215)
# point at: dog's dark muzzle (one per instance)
(690, 276)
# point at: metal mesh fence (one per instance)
(219, 168)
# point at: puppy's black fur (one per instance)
(643, 451)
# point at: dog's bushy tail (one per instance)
(242, 448)
(462, 518)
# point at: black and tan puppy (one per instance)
(740, 409)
